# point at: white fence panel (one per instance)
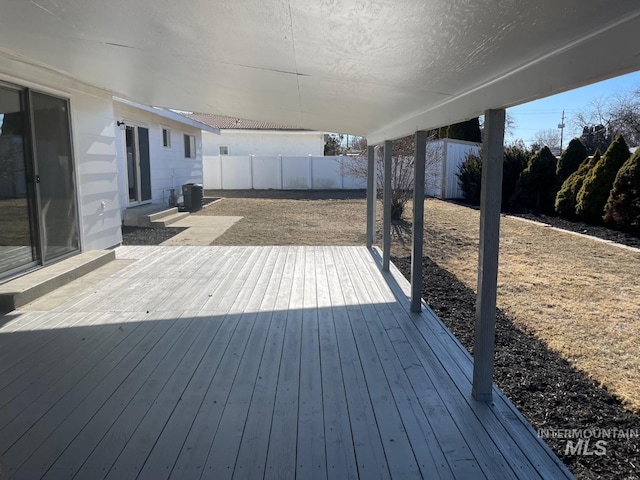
(353, 183)
(236, 172)
(296, 173)
(433, 168)
(266, 173)
(326, 173)
(211, 172)
(228, 172)
(456, 154)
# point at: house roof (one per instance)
(233, 123)
(382, 69)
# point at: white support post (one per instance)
(418, 220)
(371, 195)
(386, 200)
(490, 200)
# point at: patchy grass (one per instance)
(291, 217)
(579, 296)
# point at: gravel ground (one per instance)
(543, 386)
(148, 236)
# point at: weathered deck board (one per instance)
(340, 453)
(250, 362)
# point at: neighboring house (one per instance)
(65, 152)
(240, 137)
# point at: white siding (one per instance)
(169, 167)
(264, 143)
(93, 135)
(97, 170)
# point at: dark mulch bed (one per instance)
(581, 227)
(148, 236)
(542, 385)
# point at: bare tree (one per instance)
(618, 114)
(402, 162)
(548, 138)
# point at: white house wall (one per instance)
(169, 167)
(93, 136)
(264, 143)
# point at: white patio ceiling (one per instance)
(381, 68)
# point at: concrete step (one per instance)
(167, 220)
(25, 289)
(143, 215)
(163, 214)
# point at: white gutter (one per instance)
(176, 117)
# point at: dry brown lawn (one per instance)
(578, 295)
(291, 218)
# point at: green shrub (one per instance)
(535, 188)
(566, 197)
(570, 160)
(468, 131)
(598, 183)
(623, 205)
(470, 173)
(470, 177)
(516, 158)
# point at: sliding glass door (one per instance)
(55, 181)
(38, 213)
(17, 229)
(138, 164)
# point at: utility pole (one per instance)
(561, 127)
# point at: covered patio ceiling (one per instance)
(379, 68)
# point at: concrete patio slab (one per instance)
(201, 230)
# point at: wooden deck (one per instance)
(250, 362)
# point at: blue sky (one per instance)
(546, 113)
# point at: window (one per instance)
(189, 146)
(224, 150)
(166, 137)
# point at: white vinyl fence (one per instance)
(227, 172)
(444, 158)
